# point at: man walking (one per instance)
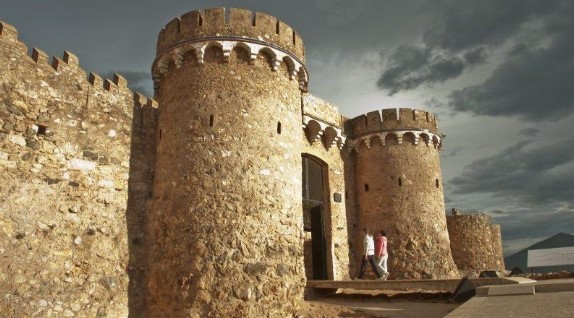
(368, 255)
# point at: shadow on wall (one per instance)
(142, 162)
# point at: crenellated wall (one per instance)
(398, 188)
(232, 22)
(391, 119)
(64, 162)
(475, 242)
(112, 204)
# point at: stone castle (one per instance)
(221, 196)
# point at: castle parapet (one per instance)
(233, 23)
(8, 31)
(391, 119)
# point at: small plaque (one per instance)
(337, 197)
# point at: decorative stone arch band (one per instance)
(428, 138)
(176, 53)
(316, 129)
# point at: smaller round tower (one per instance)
(475, 242)
(399, 189)
(497, 252)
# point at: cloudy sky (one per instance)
(499, 73)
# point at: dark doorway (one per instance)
(313, 216)
(319, 246)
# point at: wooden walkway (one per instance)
(447, 285)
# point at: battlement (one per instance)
(8, 31)
(470, 220)
(233, 23)
(69, 63)
(391, 119)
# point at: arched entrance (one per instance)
(314, 208)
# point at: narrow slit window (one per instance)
(42, 130)
(294, 38)
(277, 28)
(437, 183)
(366, 187)
(400, 182)
(160, 133)
(211, 120)
(200, 20)
(279, 127)
(253, 21)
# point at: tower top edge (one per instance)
(224, 22)
(392, 119)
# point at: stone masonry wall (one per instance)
(399, 189)
(472, 244)
(64, 158)
(225, 222)
(497, 252)
(336, 217)
(140, 192)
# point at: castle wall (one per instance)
(497, 252)
(225, 221)
(399, 189)
(140, 192)
(336, 217)
(473, 243)
(64, 158)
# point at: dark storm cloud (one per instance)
(538, 175)
(452, 152)
(408, 67)
(462, 24)
(475, 56)
(140, 82)
(462, 31)
(542, 222)
(529, 132)
(532, 83)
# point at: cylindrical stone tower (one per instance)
(225, 219)
(497, 252)
(399, 189)
(475, 243)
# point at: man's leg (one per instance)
(374, 266)
(363, 267)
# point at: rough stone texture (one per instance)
(475, 243)
(225, 223)
(497, 252)
(64, 158)
(399, 189)
(335, 212)
(197, 202)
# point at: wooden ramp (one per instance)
(447, 285)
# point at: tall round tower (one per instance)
(224, 221)
(399, 189)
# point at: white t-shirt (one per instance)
(369, 245)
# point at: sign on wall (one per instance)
(551, 257)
